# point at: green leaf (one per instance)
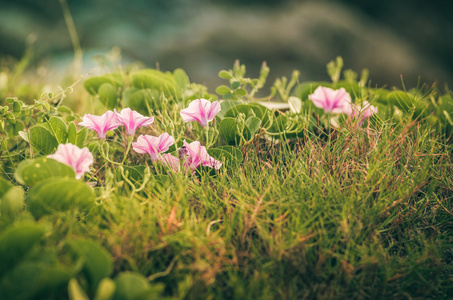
(75, 291)
(93, 84)
(4, 144)
(258, 111)
(295, 104)
(225, 75)
(407, 102)
(43, 140)
(98, 263)
(4, 186)
(235, 85)
(225, 105)
(59, 194)
(13, 127)
(140, 100)
(10, 116)
(253, 124)
(279, 125)
(182, 80)
(58, 128)
(133, 286)
(35, 280)
(70, 118)
(154, 79)
(378, 96)
(31, 171)
(81, 137)
(400, 99)
(72, 133)
(17, 106)
(240, 92)
(108, 95)
(130, 285)
(11, 202)
(230, 132)
(105, 290)
(223, 90)
(283, 124)
(64, 110)
(16, 241)
(46, 106)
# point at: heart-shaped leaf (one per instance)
(154, 79)
(142, 100)
(35, 280)
(230, 132)
(133, 286)
(105, 290)
(16, 241)
(31, 171)
(72, 133)
(225, 106)
(223, 90)
(59, 194)
(82, 137)
(58, 128)
(98, 263)
(75, 291)
(295, 104)
(108, 95)
(42, 140)
(253, 124)
(11, 203)
(93, 84)
(181, 78)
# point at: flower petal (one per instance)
(101, 124)
(153, 145)
(133, 120)
(200, 110)
(78, 159)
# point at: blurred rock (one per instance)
(204, 37)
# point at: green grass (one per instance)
(366, 213)
(357, 213)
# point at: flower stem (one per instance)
(206, 130)
(129, 143)
(105, 156)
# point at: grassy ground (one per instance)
(363, 212)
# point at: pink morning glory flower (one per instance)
(101, 124)
(170, 161)
(133, 120)
(362, 112)
(200, 110)
(197, 155)
(153, 145)
(78, 159)
(330, 100)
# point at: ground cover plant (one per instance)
(139, 184)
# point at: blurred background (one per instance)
(412, 38)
